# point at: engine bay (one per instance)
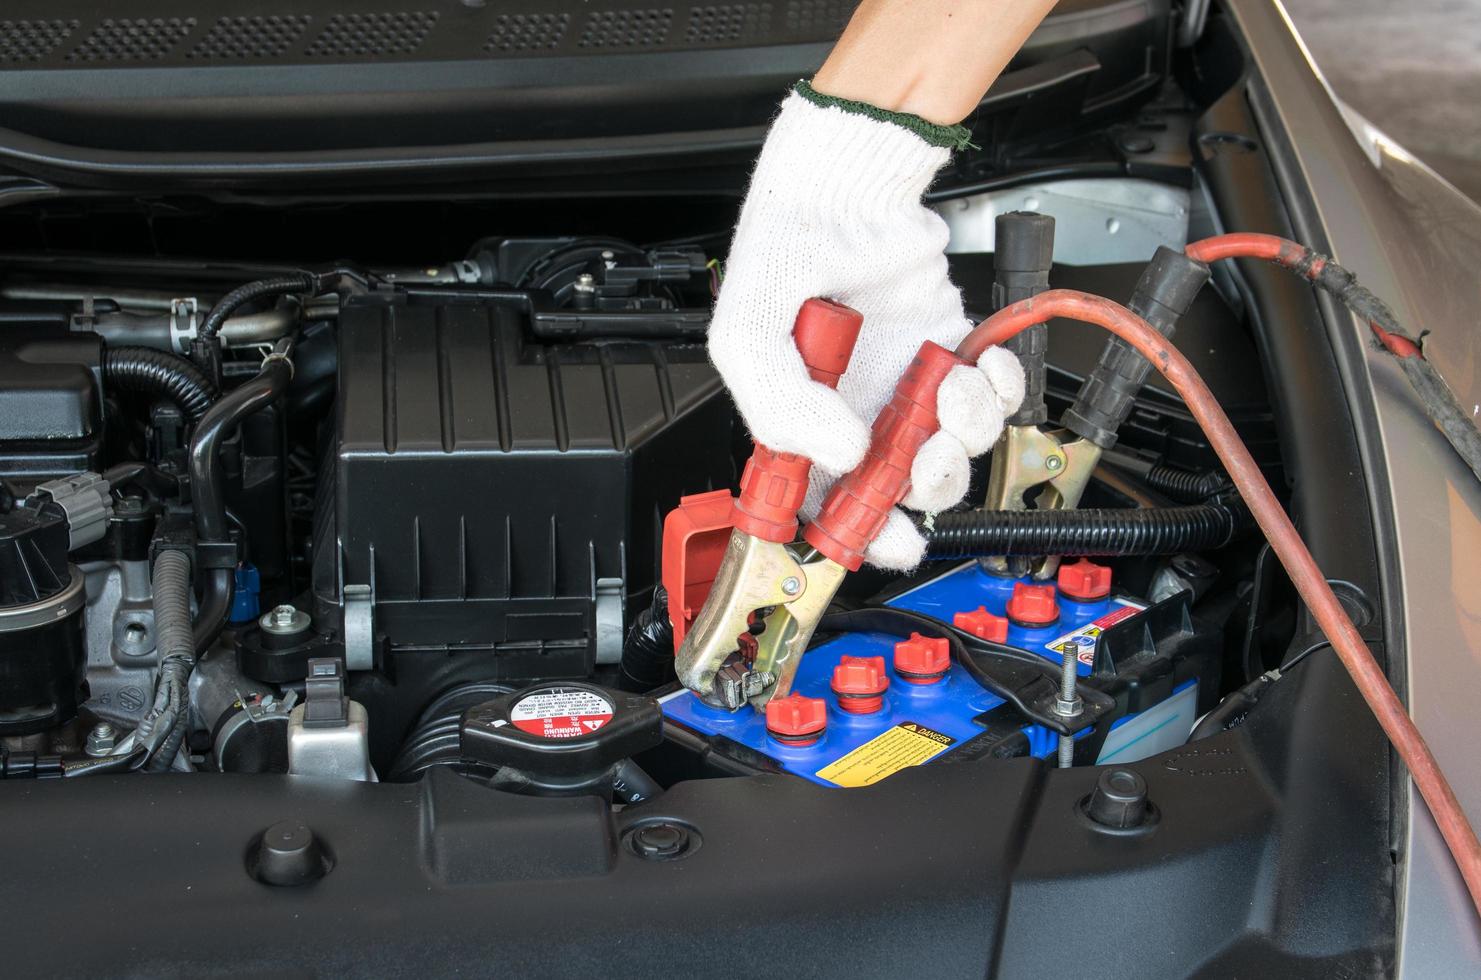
(466, 482)
(350, 541)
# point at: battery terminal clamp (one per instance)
(786, 587)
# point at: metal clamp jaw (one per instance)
(791, 593)
(1026, 459)
(1061, 462)
(787, 586)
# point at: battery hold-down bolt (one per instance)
(796, 720)
(922, 659)
(860, 683)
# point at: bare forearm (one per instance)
(932, 58)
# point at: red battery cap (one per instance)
(860, 683)
(1084, 580)
(982, 624)
(796, 719)
(1033, 605)
(922, 659)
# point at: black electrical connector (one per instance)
(1023, 252)
(1163, 295)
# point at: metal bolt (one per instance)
(1053, 463)
(101, 739)
(586, 283)
(1068, 706)
(791, 585)
(284, 620)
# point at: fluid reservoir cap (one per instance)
(922, 659)
(567, 730)
(796, 719)
(860, 683)
(1033, 606)
(982, 624)
(1084, 581)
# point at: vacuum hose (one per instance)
(292, 282)
(161, 374)
(1121, 531)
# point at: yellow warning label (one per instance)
(907, 744)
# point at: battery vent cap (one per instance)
(860, 683)
(1084, 581)
(796, 719)
(922, 659)
(1033, 606)
(982, 624)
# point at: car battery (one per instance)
(867, 705)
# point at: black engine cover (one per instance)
(489, 488)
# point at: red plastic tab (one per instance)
(1084, 581)
(1033, 605)
(773, 484)
(922, 659)
(856, 508)
(982, 624)
(694, 538)
(860, 683)
(796, 719)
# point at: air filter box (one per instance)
(497, 495)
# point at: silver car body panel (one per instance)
(1416, 241)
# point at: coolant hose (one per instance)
(161, 374)
(1119, 531)
(290, 282)
(1284, 540)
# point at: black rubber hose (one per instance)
(162, 374)
(216, 427)
(290, 282)
(648, 650)
(214, 607)
(207, 489)
(1150, 531)
(1184, 484)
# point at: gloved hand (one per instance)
(834, 210)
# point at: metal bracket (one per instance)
(609, 598)
(359, 627)
(188, 309)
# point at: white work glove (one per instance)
(834, 210)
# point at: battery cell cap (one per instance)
(860, 683)
(796, 719)
(1033, 605)
(982, 624)
(1084, 581)
(922, 659)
